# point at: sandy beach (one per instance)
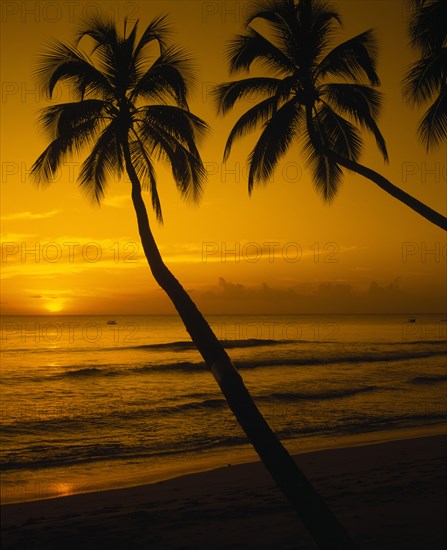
(390, 495)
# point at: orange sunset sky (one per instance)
(280, 251)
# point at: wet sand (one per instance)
(390, 495)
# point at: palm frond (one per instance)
(45, 167)
(158, 30)
(339, 135)
(280, 17)
(146, 173)
(76, 137)
(228, 93)
(243, 50)
(107, 46)
(61, 118)
(258, 114)
(355, 99)
(273, 142)
(104, 161)
(427, 26)
(170, 76)
(62, 62)
(354, 59)
(280, 14)
(326, 175)
(100, 29)
(115, 52)
(316, 22)
(160, 139)
(360, 102)
(425, 77)
(433, 126)
(180, 123)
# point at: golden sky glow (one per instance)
(282, 250)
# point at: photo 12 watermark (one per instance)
(424, 252)
(226, 12)
(27, 12)
(268, 332)
(424, 172)
(69, 332)
(424, 332)
(69, 252)
(289, 172)
(27, 491)
(271, 251)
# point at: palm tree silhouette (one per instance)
(426, 79)
(130, 113)
(299, 101)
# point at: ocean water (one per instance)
(88, 405)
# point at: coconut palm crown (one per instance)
(318, 94)
(126, 106)
(426, 78)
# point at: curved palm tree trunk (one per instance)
(321, 523)
(416, 205)
(425, 211)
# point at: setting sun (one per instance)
(55, 306)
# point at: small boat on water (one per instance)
(111, 322)
(412, 320)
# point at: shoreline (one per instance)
(210, 461)
(389, 494)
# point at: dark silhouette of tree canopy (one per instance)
(126, 112)
(318, 95)
(426, 78)
(132, 109)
